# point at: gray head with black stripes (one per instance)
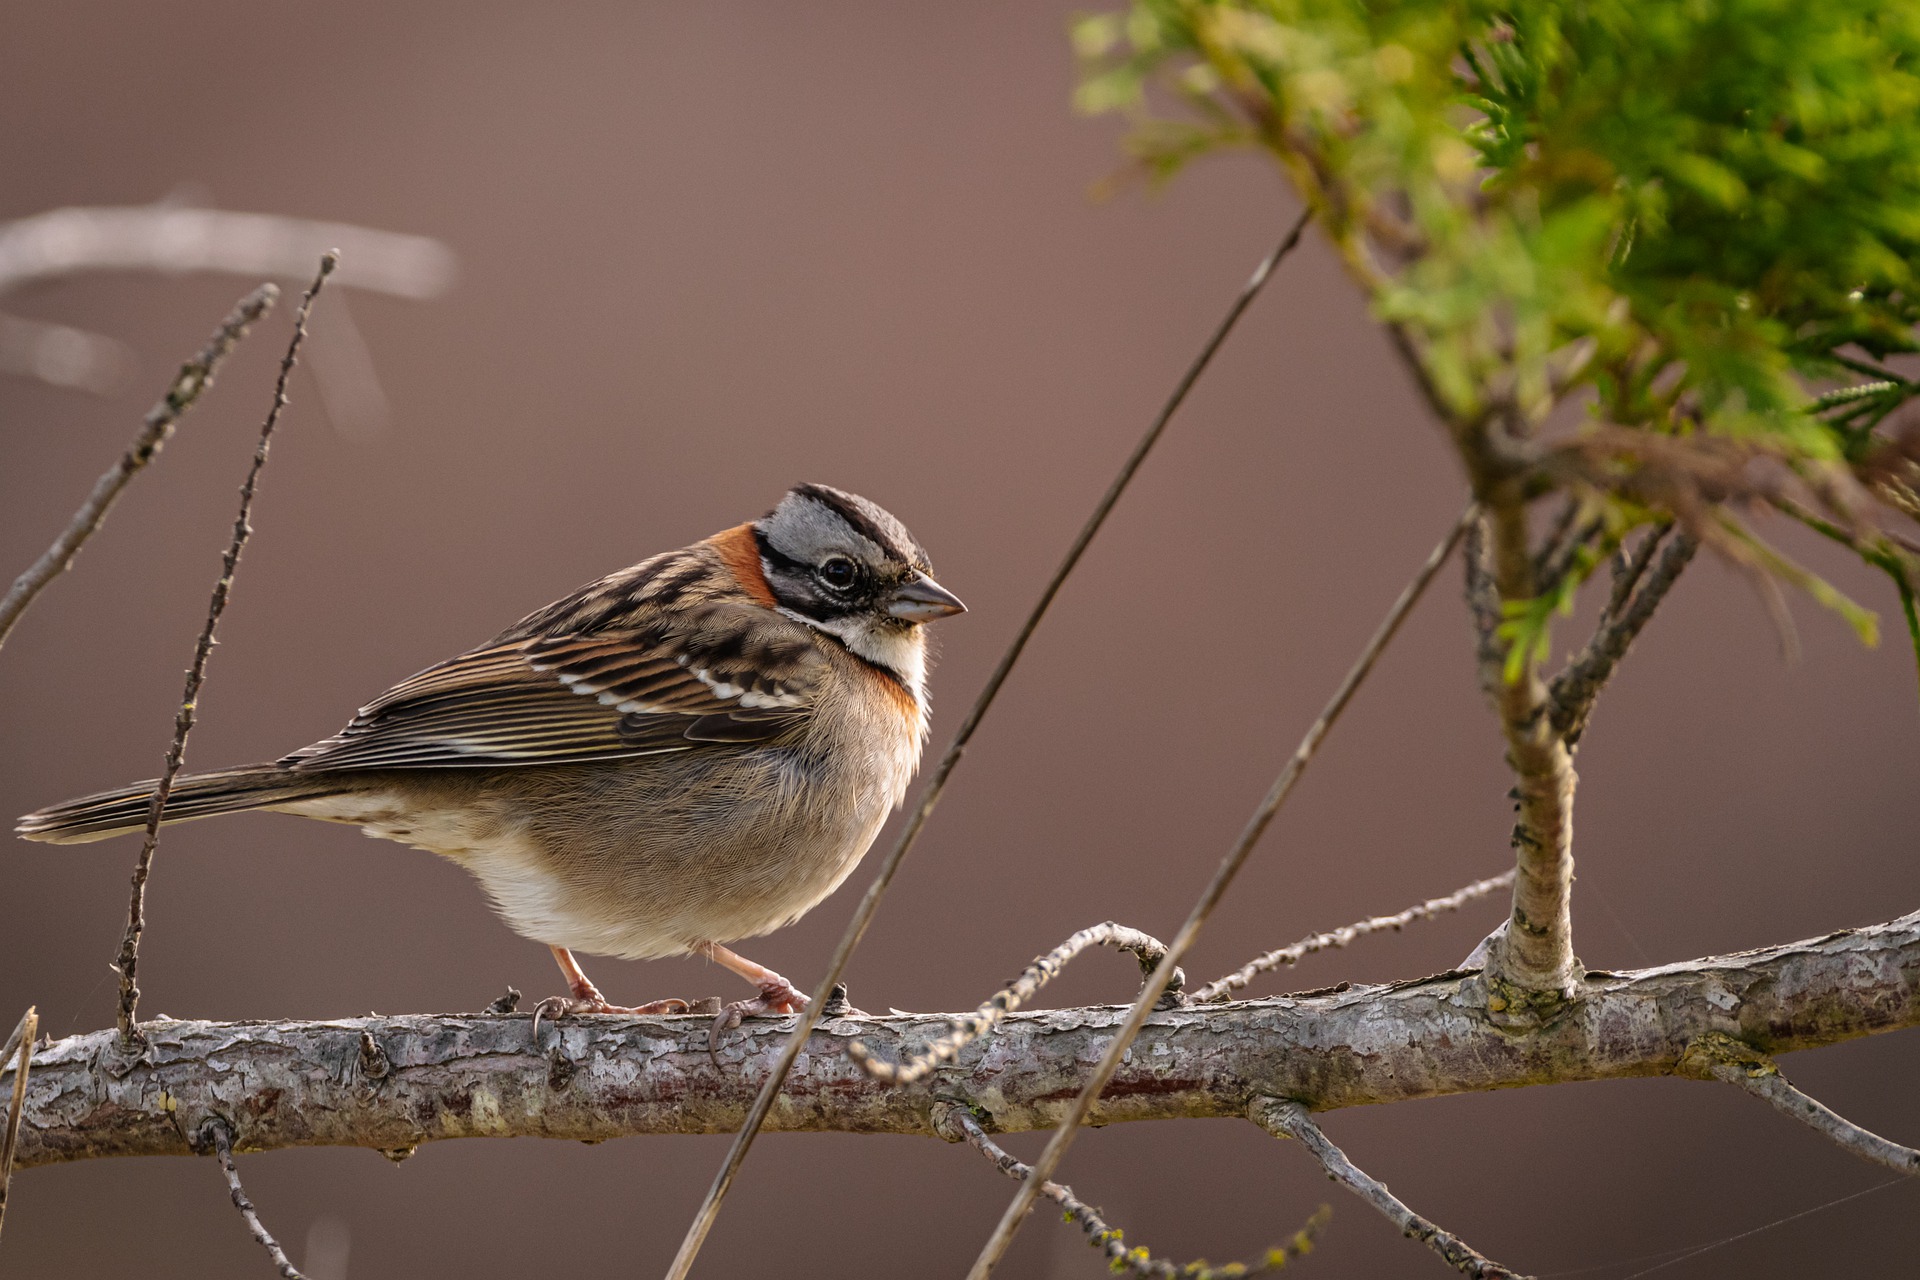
(838, 562)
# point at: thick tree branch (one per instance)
(392, 1083)
(1720, 1057)
(1292, 1120)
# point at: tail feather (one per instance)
(195, 795)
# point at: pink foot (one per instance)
(777, 996)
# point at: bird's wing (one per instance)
(720, 673)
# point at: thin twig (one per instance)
(1223, 988)
(1291, 1120)
(22, 1037)
(958, 1124)
(13, 1042)
(1564, 542)
(195, 376)
(222, 1140)
(129, 959)
(1721, 1057)
(1576, 688)
(863, 914)
(1554, 563)
(1627, 572)
(970, 1027)
(1550, 546)
(1069, 1126)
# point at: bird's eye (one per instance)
(838, 573)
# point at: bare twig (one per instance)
(393, 1083)
(970, 1027)
(221, 1139)
(13, 1042)
(1576, 688)
(957, 1124)
(910, 833)
(1628, 569)
(1223, 988)
(1076, 1115)
(1550, 547)
(22, 1038)
(129, 958)
(195, 376)
(1556, 560)
(1720, 1057)
(1292, 1120)
(169, 237)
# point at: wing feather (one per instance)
(720, 673)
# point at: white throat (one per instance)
(902, 652)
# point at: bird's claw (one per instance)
(777, 996)
(558, 1007)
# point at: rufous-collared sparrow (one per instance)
(691, 751)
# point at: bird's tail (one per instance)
(194, 795)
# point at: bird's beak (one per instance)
(921, 599)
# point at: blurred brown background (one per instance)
(708, 251)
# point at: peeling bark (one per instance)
(392, 1083)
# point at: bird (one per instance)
(688, 752)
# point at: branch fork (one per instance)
(1289, 1119)
(1531, 969)
(1716, 1056)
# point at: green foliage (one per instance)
(1700, 214)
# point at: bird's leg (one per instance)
(586, 997)
(777, 995)
(580, 984)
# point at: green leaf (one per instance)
(1865, 623)
(1699, 217)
